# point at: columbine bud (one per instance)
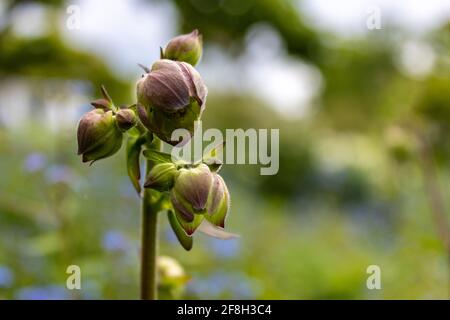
(101, 104)
(161, 177)
(98, 135)
(126, 119)
(218, 202)
(189, 196)
(171, 96)
(187, 48)
(198, 193)
(105, 103)
(172, 278)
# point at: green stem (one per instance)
(149, 241)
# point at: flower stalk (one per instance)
(149, 241)
(170, 96)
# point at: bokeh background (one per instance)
(364, 119)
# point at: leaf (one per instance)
(212, 158)
(105, 93)
(185, 240)
(134, 144)
(214, 164)
(211, 230)
(157, 157)
(215, 152)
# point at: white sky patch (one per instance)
(29, 21)
(416, 59)
(348, 17)
(123, 32)
(285, 84)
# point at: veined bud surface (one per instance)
(161, 177)
(126, 119)
(218, 201)
(171, 96)
(199, 193)
(98, 135)
(186, 47)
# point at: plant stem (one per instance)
(149, 241)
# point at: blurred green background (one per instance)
(364, 119)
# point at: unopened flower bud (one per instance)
(189, 196)
(171, 96)
(101, 104)
(172, 278)
(98, 135)
(126, 119)
(218, 202)
(161, 177)
(105, 103)
(187, 48)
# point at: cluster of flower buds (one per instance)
(172, 95)
(197, 192)
(100, 130)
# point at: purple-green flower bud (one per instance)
(171, 96)
(126, 119)
(186, 47)
(102, 104)
(189, 196)
(98, 135)
(199, 193)
(170, 85)
(161, 177)
(218, 202)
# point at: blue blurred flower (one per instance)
(91, 290)
(127, 190)
(114, 240)
(34, 162)
(59, 173)
(6, 277)
(51, 292)
(225, 248)
(222, 284)
(170, 235)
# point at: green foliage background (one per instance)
(351, 190)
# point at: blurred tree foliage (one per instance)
(228, 21)
(48, 56)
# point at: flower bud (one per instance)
(98, 135)
(171, 96)
(161, 177)
(187, 48)
(101, 104)
(172, 278)
(189, 196)
(126, 119)
(218, 202)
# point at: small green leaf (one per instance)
(161, 177)
(185, 240)
(157, 157)
(212, 158)
(215, 151)
(214, 164)
(134, 144)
